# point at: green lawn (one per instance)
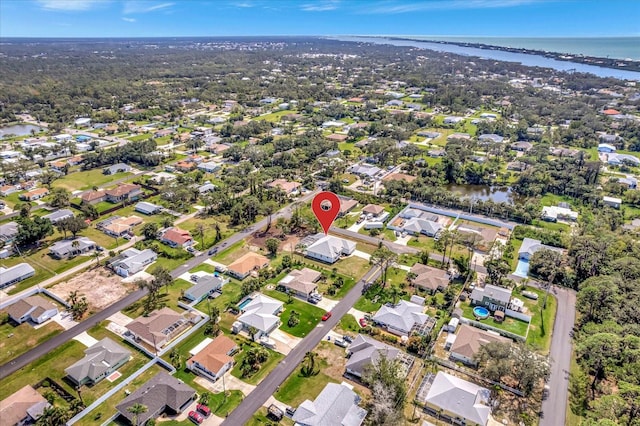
(209, 229)
(511, 325)
(275, 116)
(230, 295)
(541, 327)
(230, 253)
(352, 266)
(86, 179)
(23, 338)
(204, 267)
(298, 388)
(221, 406)
(141, 137)
(309, 315)
(265, 369)
(171, 297)
(348, 324)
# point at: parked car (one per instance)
(326, 316)
(316, 296)
(290, 411)
(363, 322)
(213, 251)
(194, 278)
(312, 300)
(347, 338)
(203, 409)
(99, 248)
(191, 249)
(196, 417)
(341, 342)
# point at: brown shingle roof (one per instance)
(214, 356)
(429, 278)
(248, 263)
(470, 339)
(92, 195)
(22, 306)
(14, 408)
(122, 189)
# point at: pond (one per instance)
(497, 194)
(18, 130)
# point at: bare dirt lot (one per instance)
(101, 287)
(288, 242)
(337, 361)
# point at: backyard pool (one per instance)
(522, 269)
(480, 312)
(244, 303)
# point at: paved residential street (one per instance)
(252, 403)
(554, 408)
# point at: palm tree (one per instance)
(136, 410)
(75, 245)
(200, 228)
(205, 398)
(309, 368)
(394, 293)
(176, 359)
(384, 258)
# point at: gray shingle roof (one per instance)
(18, 272)
(204, 286)
(460, 397)
(58, 215)
(157, 394)
(365, 350)
(97, 359)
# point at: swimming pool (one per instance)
(480, 312)
(522, 269)
(244, 303)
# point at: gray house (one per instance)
(132, 261)
(71, 248)
(116, 168)
(36, 309)
(15, 274)
(163, 393)
(459, 399)
(100, 360)
(147, 208)
(8, 232)
(492, 297)
(206, 285)
(59, 215)
(364, 351)
(337, 404)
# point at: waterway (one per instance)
(18, 130)
(522, 58)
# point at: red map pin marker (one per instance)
(326, 206)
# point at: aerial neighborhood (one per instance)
(160, 260)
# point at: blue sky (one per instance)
(129, 18)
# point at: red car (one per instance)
(363, 322)
(196, 417)
(203, 409)
(326, 316)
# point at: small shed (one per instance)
(453, 324)
(451, 338)
(499, 316)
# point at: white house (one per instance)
(213, 360)
(400, 319)
(459, 399)
(36, 309)
(261, 313)
(329, 249)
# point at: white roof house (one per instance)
(65, 248)
(337, 404)
(554, 213)
(416, 226)
(16, 273)
(329, 249)
(261, 313)
(530, 246)
(459, 398)
(59, 215)
(401, 318)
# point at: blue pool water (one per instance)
(244, 303)
(522, 269)
(480, 312)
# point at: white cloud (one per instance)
(243, 4)
(131, 7)
(320, 6)
(129, 19)
(70, 5)
(388, 7)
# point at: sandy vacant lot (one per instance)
(101, 287)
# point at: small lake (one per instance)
(497, 194)
(18, 130)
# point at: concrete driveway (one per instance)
(63, 318)
(230, 383)
(85, 339)
(284, 341)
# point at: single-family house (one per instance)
(246, 264)
(365, 171)
(417, 226)
(290, 188)
(36, 309)
(553, 213)
(124, 191)
(429, 278)
(330, 249)
(209, 167)
(116, 168)
(94, 197)
(337, 137)
(261, 313)
(453, 120)
(629, 182)
(301, 282)
(365, 350)
(14, 274)
(206, 188)
(373, 209)
(34, 194)
(9, 189)
(491, 138)
(206, 286)
(530, 246)
(612, 202)
(402, 318)
(458, 399)
(346, 205)
(615, 159)
(100, 360)
(147, 208)
(159, 328)
(468, 342)
(459, 136)
(132, 261)
(521, 146)
(337, 404)
(215, 359)
(118, 226)
(491, 297)
(8, 232)
(176, 237)
(71, 248)
(23, 407)
(162, 394)
(59, 215)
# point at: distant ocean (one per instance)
(603, 47)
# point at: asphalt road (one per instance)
(554, 408)
(252, 403)
(51, 344)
